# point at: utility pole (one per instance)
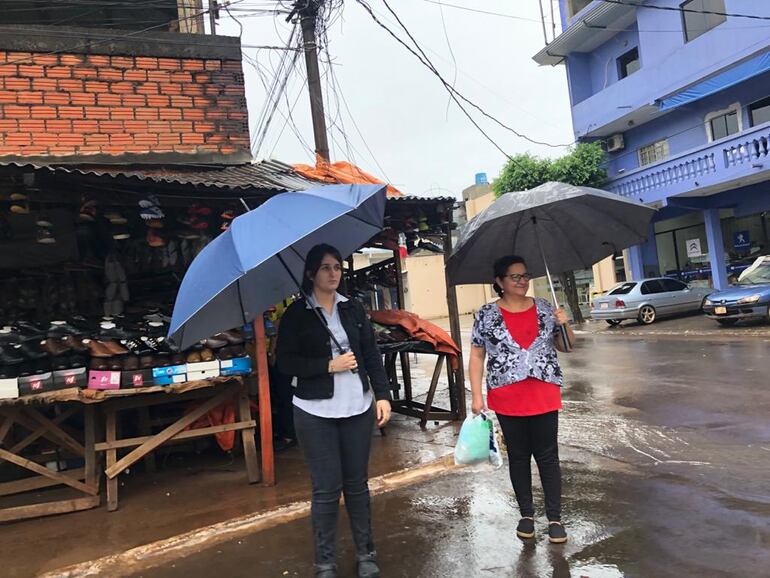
(308, 12)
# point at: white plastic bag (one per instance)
(477, 442)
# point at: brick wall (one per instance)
(76, 105)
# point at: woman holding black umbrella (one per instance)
(333, 353)
(519, 336)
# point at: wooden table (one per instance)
(406, 405)
(23, 413)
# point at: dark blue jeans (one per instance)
(337, 453)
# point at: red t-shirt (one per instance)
(531, 396)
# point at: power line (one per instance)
(451, 54)
(686, 10)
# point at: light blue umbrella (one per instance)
(259, 260)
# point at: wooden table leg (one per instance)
(406, 375)
(91, 469)
(432, 390)
(146, 430)
(247, 436)
(265, 406)
(112, 457)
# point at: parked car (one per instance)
(748, 299)
(647, 300)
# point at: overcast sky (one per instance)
(400, 107)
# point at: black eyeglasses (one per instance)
(515, 277)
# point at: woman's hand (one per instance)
(477, 404)
(561, 316)
(345, 362)
(383, 412)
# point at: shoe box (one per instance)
(103, 379)
(169, 375)
(9, 388)
(236, 366)
(136, 378)
(31, 384)
(66, 378)
(202, 370)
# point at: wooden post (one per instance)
(265, 408)
(454, 323)
(112, 457)
(247, 437)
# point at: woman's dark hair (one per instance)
(500, 269)
(313, 264)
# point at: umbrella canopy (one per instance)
(575, 227)
(258, 261)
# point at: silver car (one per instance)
(648, 299)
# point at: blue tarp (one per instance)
(731, 77)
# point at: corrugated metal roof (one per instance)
(272, 175)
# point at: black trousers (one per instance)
(337, 453)
(283, 410)
(536, 436)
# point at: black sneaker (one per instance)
(556, 533)
(526, 528)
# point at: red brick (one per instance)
(85, 126)
(158, 76)
(136, 126)
(3, 56)
(145, 138)
(184, 148)
(46, 139)
(70, 85)
(71, 139)
(214, 90)
(135, 75)
(147, 114)
(97, 112)
(17, 84)
(213, 65)
(41, 112)
(89, 150)
(205, 127)
(234, 90)
(202, 78)
(30, 97)
(204, 102)
(193, 114)
(181, 127)
(147, 88)
(31, 70)
(97, 139)
(83, 98)
(15, 111)
(122, 113)
(170, 114)
(71, 112)
(45, 59)
(6, 97)
(34, 150)
(86, 73)
(134, 100)
(110, 74)
(98, 61)
(170, 139)
(146, 63)
(8, 125)
(228, 150)
(20, 56)
(193, 65)
(58, 71)
(216, 114)
(192, 90)
(122, 87)
(92, 86)
(182, 77)
(70, 60)
(181, 101)
(121, 139)
(62, 151)
(110, 126)
(45, 84)
(9, 70)
(168, 88)
(158, 100)
(58, 125)
(169, 64)
(122, 62)
(18, 139)
(108, 99)
(237, 115)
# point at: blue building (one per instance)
(679, 93)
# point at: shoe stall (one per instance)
(90, 263)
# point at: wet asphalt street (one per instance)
(665, 448)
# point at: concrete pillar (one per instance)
(634, 263)
(716, 248)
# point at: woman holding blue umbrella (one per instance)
(328, 343)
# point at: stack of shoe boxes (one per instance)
(9, 388)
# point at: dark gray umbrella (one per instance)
(573, 227)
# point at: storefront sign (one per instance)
(693, 248)
(741, 240)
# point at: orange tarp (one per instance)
(342, 173)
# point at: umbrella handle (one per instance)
(562, 330)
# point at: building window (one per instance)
(653, 153)
(697, 21)
(576, 6)
(723, 123)
(629, 63)
(759, 112)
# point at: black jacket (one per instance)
(304, 350)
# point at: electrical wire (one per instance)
(686, 10)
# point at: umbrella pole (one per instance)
(563, 331)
